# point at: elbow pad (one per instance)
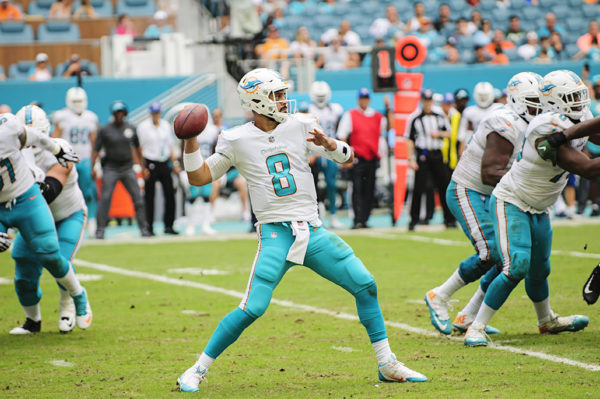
(50, 188)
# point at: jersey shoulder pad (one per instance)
(549, 123)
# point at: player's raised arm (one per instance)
(574, 161)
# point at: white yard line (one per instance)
(308, 308)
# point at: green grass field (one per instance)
(147, 331)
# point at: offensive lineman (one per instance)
(272, 154)
(491, 151)
(78, 126)
(23, 206)
(62, 193)
(520, 203)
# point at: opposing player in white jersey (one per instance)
(62, 193)
(328, 114)
(489, 154)
(483, 93)
(78, 126)
(271, 152)
(522, 199)
(22, 206)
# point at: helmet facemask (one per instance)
(264, 91)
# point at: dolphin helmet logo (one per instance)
(250, 85)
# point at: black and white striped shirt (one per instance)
(421, 127)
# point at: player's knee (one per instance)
(28, 291)
(519, 266)
(259, 300)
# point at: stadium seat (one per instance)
(571, 50)
(512, 54)
(590, 11)
(486, 6)
(102, 7)
(58, 31)
(91, 66)
(21, 69)
(531, 14)
(1, 70)
(40, 7)
(136, 8)
(15, 32)
(465, 43)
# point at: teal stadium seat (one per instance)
(103, 8)
(58, 31)
(40, 7)
(21, 69)
(15, 32)
(136, 8)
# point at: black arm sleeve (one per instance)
(50, 188)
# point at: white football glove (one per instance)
(65, 153)
(4, 242)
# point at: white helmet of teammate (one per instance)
(523, 94)
(76, 100)
(484, 94)
(320, 93)
(257, 92)
(564, 92)
(34, 116)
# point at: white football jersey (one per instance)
(507, 124)
(532, 183)
(328, 117)
(70, 199)
(15, 176)
(275, 166)
(473, 114)
(207, 140)
(76, 129)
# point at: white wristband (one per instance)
(342, 152)
(192, 161)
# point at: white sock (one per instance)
(475, 302)
(544, 313)
(64, 295)
(33, 312)
(204, 361)
(382, 350)
(453, 284)
(484, 315)
(70, 282)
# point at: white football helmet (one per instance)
(523, 94)
(257, 92)
(76, 100)
(484, 94)
(34, 116)
(564, 92)
(320, 93)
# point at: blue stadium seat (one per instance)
(465, 43)
(102, 7)
(136, 7)
(15, 32)
(467, 56)
(1, 70)
(58, 31)
(91, 66)
(512, 54)
(531, 14)
(20, 70)
(40, 7)
(590, 11)
(571, 50)
(486, 6)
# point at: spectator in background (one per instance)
(168, 6)
(557, 45)
(362, 127)
(550, 26)
(530, 49)
(547, 49)
(500, 58)
(484, 36)
(426, 34)
(419, 19)
(40, 71)
(481, 56)
(121, 147)
(2, 76)
(592, 53)
(498, 41)
(303, 46)
(388, 27)
(452, 57)
(428, 129)
(444, 18)
(543, 57)
(156, 141)
(344, 32)
(62, 9)
(124, 26)
(75, 68)
(327, 7)
(335, 57)
(9, 12)
(85, 10)
(585, 41)
(514, 33)
(278, 17)
(462, 30)
(159, 26)
(297, 7)
(475, 22)
(274, 47)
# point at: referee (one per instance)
(428, 129)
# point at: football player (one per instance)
(488, 156)
(22, 206)
(61, 191)
(78, 126)
(271, 152)
(483, 93)
(521, 201)
(328, 114)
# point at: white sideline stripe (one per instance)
(307, 308)
(60, 363)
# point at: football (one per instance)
(190, 121)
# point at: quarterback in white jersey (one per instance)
(472, 115)
(489, 154)
(521, 201)
(272, 154)
(22, 206)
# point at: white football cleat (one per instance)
(191, 379)
(395, 371)
(28, 327)
(475, 335)
(208, 230)
(83, 311)
(190, 230)
(335, 223)
(558, 324)
(438, 312)
(463, 321)
(66, 321)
